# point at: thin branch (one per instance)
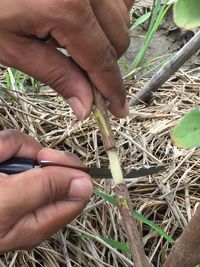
(167, 70)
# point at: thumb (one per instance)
(39, 202)
(28, 191)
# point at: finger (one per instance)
(91, 49)
(36, 188)
(61, 157)
(129, 4)
(16, 143)
(52, 42)
(50, 66)
(40, 225)
(113, 18)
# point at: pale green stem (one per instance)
(115, 167)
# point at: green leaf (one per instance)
(116, 244)
(158, 15)
(140, 20)
(138, 216)
(113, 243)
(187, 132)
(106, 197)
(187, 13)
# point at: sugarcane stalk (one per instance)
(121, 192)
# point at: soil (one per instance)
(168, 40)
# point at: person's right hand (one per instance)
(94, 32)
(37, 203)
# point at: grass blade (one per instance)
(111, 242)
(138, 216)
(156, 20)
(140, 20)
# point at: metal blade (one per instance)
(131, 173)
(144, 171)
(104, 173)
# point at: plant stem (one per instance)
(166, 71)
(185, 252)
(121, 192)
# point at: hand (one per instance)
(38, 202)
(94, 32)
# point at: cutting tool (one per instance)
(16, 165)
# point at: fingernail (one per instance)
(77, 107)
(80, 189)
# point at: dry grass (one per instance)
(169, 199)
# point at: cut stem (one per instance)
(115, 167)
(121, 192)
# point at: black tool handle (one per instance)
(16, 165)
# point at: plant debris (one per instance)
(169, 199)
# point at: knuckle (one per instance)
(11, 51)
(107, 62)
(58, 80)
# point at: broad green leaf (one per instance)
(187, 132)
(187, 13)
(138, 216)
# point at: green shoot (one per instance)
(17, 79)
(140, 20)
(113, 243)
(158, 15)
(138, 216)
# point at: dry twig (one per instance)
(167, 70)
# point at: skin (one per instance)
(37, 203)
(95, 33)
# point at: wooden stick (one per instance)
(167, 70)
(121, 192)
(186, 250)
